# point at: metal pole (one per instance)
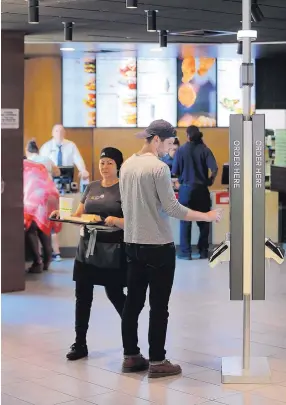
(247, 221)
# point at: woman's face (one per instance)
(107, 168)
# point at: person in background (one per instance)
(105, 263)
(148, 200)
(63, 153)
(191, 165)
(41, 198)
(32, 153)
(169, 158)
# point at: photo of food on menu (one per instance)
(90, 86)
(196, 92)
(116, 87)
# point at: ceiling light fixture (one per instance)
(68, 30)
(156, 49)
(131, 3)
(33, 11)
(151, 20)
(256, 12)
(163, 38)
(67, 49)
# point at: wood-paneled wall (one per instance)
(42, 110)
(124, 139)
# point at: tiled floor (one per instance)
(37, 329)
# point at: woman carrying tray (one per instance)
(100, 257)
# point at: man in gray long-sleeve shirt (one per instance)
(148, 200)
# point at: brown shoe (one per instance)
(134, 364)
(164, 369)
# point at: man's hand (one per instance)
(84, 174)
(110, 221)
(214, 216)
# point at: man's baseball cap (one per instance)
(161, 128)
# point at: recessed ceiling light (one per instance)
(67, 49)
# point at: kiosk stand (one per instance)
(246, 247)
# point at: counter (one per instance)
(69, 236)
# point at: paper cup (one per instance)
(66, 204)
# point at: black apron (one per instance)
(101, 257)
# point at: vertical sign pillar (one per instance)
(258, 203)
(247, 369)
(236, 206)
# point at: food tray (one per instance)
(78, 221)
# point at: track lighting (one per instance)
(151, 20)
(33, 11)
(163, 38)
(131, 3)
(68, 30)
(256, 12)
(239, 48)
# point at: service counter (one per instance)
(69, 235)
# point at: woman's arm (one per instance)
(114, 221)
(79, 211)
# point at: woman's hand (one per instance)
(114, 221)
(110, 221)
(55, 214)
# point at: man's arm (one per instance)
(172, 206)
(79, 162)
(212, 166)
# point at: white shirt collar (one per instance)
(55, 145)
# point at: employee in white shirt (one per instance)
(63, 153)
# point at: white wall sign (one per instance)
(9, 118)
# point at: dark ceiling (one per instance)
(110, 21)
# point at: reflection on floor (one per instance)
(37, 329)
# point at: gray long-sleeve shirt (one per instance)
(148, 200)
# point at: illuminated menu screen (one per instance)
(116, 86)
(197, 92)
(157, 90)
(229, 93)
(79, 95)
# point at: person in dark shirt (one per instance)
(191, 165)
(100, 257)
(169, 158)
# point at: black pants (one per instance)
(32, 237)
(153, 266)
(84, 298)
(196, 198)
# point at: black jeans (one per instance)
(196, 198)
(32, 237)
(153, 266)
(84, 298)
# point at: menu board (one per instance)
(79, 95)
(197, 92)
(116, 87)
(229, 93)
(157, 90)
